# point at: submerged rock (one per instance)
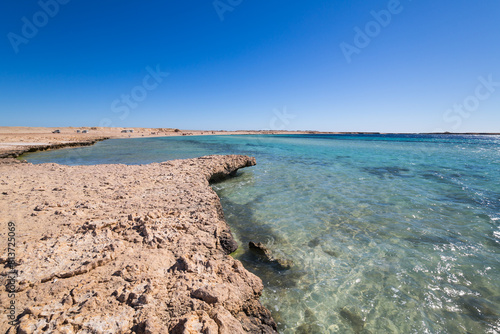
(479, 309)
(310, 326)
(264, 253)
(314, 242)
(388, 171)
(353, 319)
(309, 316)
(309, 329)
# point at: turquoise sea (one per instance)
(387, 233)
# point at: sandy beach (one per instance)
(119, 249)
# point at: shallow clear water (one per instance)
(388, 234)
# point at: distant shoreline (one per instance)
(16, 141)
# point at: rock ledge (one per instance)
(126, 249)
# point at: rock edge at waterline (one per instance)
(126, 249)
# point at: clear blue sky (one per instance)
(237, 64)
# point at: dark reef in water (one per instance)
(353, 319)
(383, 172)
(265, 254)
(310, 325)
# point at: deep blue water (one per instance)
(387, 233)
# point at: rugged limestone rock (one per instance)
(125, 249)
(18, 150)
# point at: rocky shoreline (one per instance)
(125, 249)
(17, 150)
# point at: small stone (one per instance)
(122, 298)
(205, 295)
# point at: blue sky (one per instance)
(390, 66)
